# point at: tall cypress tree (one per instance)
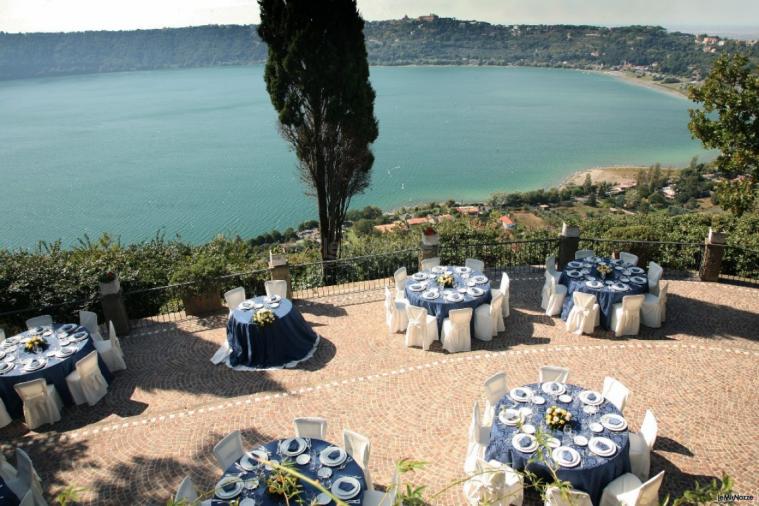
(317, 76)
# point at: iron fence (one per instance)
(676, 257)
(502, 254)
(14, 321)
(740, 264)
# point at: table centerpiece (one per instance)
(604, 270)
(35, 344)
(264, 317)
(557, 418)
(446, 280)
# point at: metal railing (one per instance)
(15, 320)
(499, 255)
(677, 257)
(740, 264)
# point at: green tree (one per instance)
(737, 195)
(317, 76)
(587, 185)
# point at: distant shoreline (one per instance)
(651, 85)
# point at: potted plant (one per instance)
(430, 237)
(109, 283)
(198, 277)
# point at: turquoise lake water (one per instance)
(196, 152)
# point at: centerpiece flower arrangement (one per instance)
(446, 280)
(35, 344)
(557, 418)
(264, 317)
(604, 270)
(284, 483)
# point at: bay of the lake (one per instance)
(196, 152)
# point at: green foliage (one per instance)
(69, 495)
(201, 271)
(713, 492)
(737, 195)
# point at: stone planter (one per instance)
(202, 303)
(110, 288)
(430, 239)
(276, 259)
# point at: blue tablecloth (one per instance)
(283, 343)
(440, 307)
(593, 473)
(606, 296)
(263, 498)
(7, 497)
(54, 372)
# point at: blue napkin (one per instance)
(346, 486)
(566, 455)
(293, 446)
(602, 446)
(525, 441)
(591, 397)
(335, 453)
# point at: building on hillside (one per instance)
(310, 234)
(469, 210)
(669, 192)
(427, 19)
(506, 222)
(544, 207)
(418, 221)
(388, 227)
(443, 217)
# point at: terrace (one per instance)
(163, 415)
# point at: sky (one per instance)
(78, 15)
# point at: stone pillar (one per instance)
(279, 269)
(430, 247)
(711, 264)
(114, 309)
(569, 240)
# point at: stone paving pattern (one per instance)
(699, 374)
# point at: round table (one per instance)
(605, 295)
(54, 372)
(262, 497)
(593, 473)
(440, 306)
(286, 342)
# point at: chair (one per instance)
(400, 276)
(276, 287)
(478, 437)
(474, 264)
(494, 484)
(7, 471)
(229, 450)
(555, 497)
(496, 387)
(89, 320)
(359, 447)
(628, 258)
(2, 335)
(583, 253)
(110, 350)
(44, 320)
(655, 272)
(653, 311)
(553, 373)
(27, 482)
(585, 311)
(456, 333)
(615, 392)
(421, 329)
(377, 498)
(42, 404)
(551, 267)
(625, 317)
(313, 427)
(395, 313)
(641, 445)
(628, 490)
(553, 295)
(488, 318)
(504, 289)
(5, 418)
(86, 383)
(186, 492)
(234, 297)
(429, 263)
(28, 499)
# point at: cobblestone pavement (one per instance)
(699, 374)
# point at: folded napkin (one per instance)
(293, 446)
(346, 486)
(333, 454)
(602, 446)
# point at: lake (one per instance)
(196, 152)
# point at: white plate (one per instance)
(68, 327)
(528, 428)
(480, 280)
(35, 364)
(2, 354)
(602, 446)
(524, 443)
(520, 394)
(596, 427)
(461, 290)
(332, 456)
(323, 498)
(624, 279)
(250, 484)
(593, 283)
(286, 447)
(620, 287)
(431, 295)
(614, 422)
(553, 388)
(274, 305)
(552, 442)
(416, 287)
(303, 459)
(589, 410)
(79, 336)
(638, 280)
(246, 304)
(580, 440)
(636, 270)
(346, 493)
(324, 472)
(565, 398)
(65, 352)
(454, 297)
(591, 397)
(258, 305)
(538, 399)
(228, 487)
(249, 461)
(438, 269)
(420, 276)
(248, 501)
(510, 417)
(6, 366)
(565, 456)
(574, 274)
(574, 264)
(11, 349)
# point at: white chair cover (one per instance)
(5, 418)
(456, 333)
(494, 484)
(653, 311)
(478, 436)
(641, 444)
(359, 447)
(27, 481)
(377, 498)
(488, 318)
(313, 427)
(276, 287)
(395, 312)
(655, 272)
(582, 318)
(89, 320)
(553, 295)
(583, 253)
(505, 289)
(556, 497)
(625, 317)
(7, 471)
(110, 350)
(553, 373)
(551, 267)
(627, 490)
(186, 491)
(400, 276)
(429, 263)
(628, 258)
(39, 321)
(616, 392)
(474, 264)
(422, 328)
(229, 450)
(86, 383)
(2, 335)
(234, 297)
(496, 387)
(42, 404)
(28, 499)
